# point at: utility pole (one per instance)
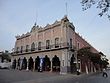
(66, 8)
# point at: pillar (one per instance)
(64, 62)
(51, 66)
(27, 65)
(21, 63)
(16, 64)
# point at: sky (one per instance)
(18, 17)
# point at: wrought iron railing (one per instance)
(45, 48)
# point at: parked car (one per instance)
(5, 65)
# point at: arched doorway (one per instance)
(24, 63)
(30, 63)
(14, 64)
(72, 64)
(56, 64)
(18, 65)
(37, 63)
(47, 63)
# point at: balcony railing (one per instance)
(50, 47)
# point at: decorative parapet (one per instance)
(18, 36)
(47, 26)
(64, 21)
(22, 36)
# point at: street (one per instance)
(16, 76)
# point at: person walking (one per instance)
(105, 73)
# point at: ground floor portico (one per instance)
(61, 61)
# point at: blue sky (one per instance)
(18, 17)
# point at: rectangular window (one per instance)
(56, 42)
(27, 48)
(21, 49)
(47, 44)
(33, 47)
(17, 49)
(78, 46)
(71, 43)
(39, 46)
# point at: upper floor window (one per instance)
(47, 44)
(27, 48)
(39, 46)
(33, 47)
(70, 43)
(78, 46)
(17, 49)
(56, 42)
(21, 49)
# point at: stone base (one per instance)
(63, 73)
(65, 70)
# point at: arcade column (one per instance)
(64, 62)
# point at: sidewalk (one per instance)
(59, 77)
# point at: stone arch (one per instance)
(37, 63)
(47, 63)
(24, 63)
(72, 64)
(14, 64)
(18, 63)
(33, 46)
(30, 63)
(55, 64)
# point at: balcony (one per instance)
(52, 47)
(48, 47)
(72, 48)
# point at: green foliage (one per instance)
(84, 52)
(104, 63)
(104, 60)
(103, 5)
(95, 58)
(98, 58)
(6, 55)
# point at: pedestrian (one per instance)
(104, 73)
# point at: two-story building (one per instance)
(51, 47)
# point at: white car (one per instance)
(5, 65)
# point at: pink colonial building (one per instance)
(50, 48)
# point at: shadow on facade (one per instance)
(38, 65)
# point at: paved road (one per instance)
(15, 76)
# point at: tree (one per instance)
(86, 55)
(95, 58)
(84, 52)
(103, 5)
(6, 56)
(104, 60)
(105, 63)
